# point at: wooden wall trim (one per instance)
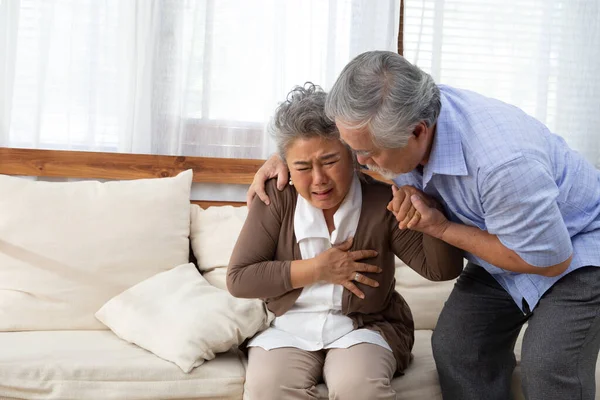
(94, 165)
(208, 203)
(113, 166)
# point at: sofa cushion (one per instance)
(98, 365)
(68, 247)
(182, 318)
(217, 277)
(214, 232)
(424, 297)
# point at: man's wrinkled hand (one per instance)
(273, 167)
(401, 205)
(427, 219)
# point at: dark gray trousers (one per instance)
(474, 340)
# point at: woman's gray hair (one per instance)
(301, 116)
(382, 91)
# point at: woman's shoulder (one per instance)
(376, 196)
(283, 199)
(376, 190)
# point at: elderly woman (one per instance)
(321, 255)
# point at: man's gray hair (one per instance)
(302, 116)
(382, 91)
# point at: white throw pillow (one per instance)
(217, 277)
(66, 248)
(180, 317)
(214, 232)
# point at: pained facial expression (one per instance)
(321, 170)
(388, 162)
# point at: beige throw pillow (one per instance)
(180, 317)
(66, 248)
(214, 232)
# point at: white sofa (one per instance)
(67, 248)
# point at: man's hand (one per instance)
(401, 205)
(273, 167)
(427, 219)
(415, 210)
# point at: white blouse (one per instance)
(315, 321)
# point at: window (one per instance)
(172, 76)
(540, 55)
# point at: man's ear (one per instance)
(420, 130)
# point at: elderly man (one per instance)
(523, 205)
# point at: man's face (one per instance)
(388, 162)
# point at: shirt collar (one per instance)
(309, 221)
(447, 157)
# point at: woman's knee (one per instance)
(263, 382)
(270, 383)
(360, 388)
(360, 383)
(280, 374)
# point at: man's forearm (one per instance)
(489, 248)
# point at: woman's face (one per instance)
(321, 170)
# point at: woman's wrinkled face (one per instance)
(321, 170)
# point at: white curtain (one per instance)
(540, 55)
(178, 77)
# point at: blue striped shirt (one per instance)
(496, 168)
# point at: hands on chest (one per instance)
(341, 266)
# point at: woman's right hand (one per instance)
(273, 167)
(339, 265)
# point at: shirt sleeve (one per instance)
(253, 271)
(519, 199)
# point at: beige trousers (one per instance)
(361, 372)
